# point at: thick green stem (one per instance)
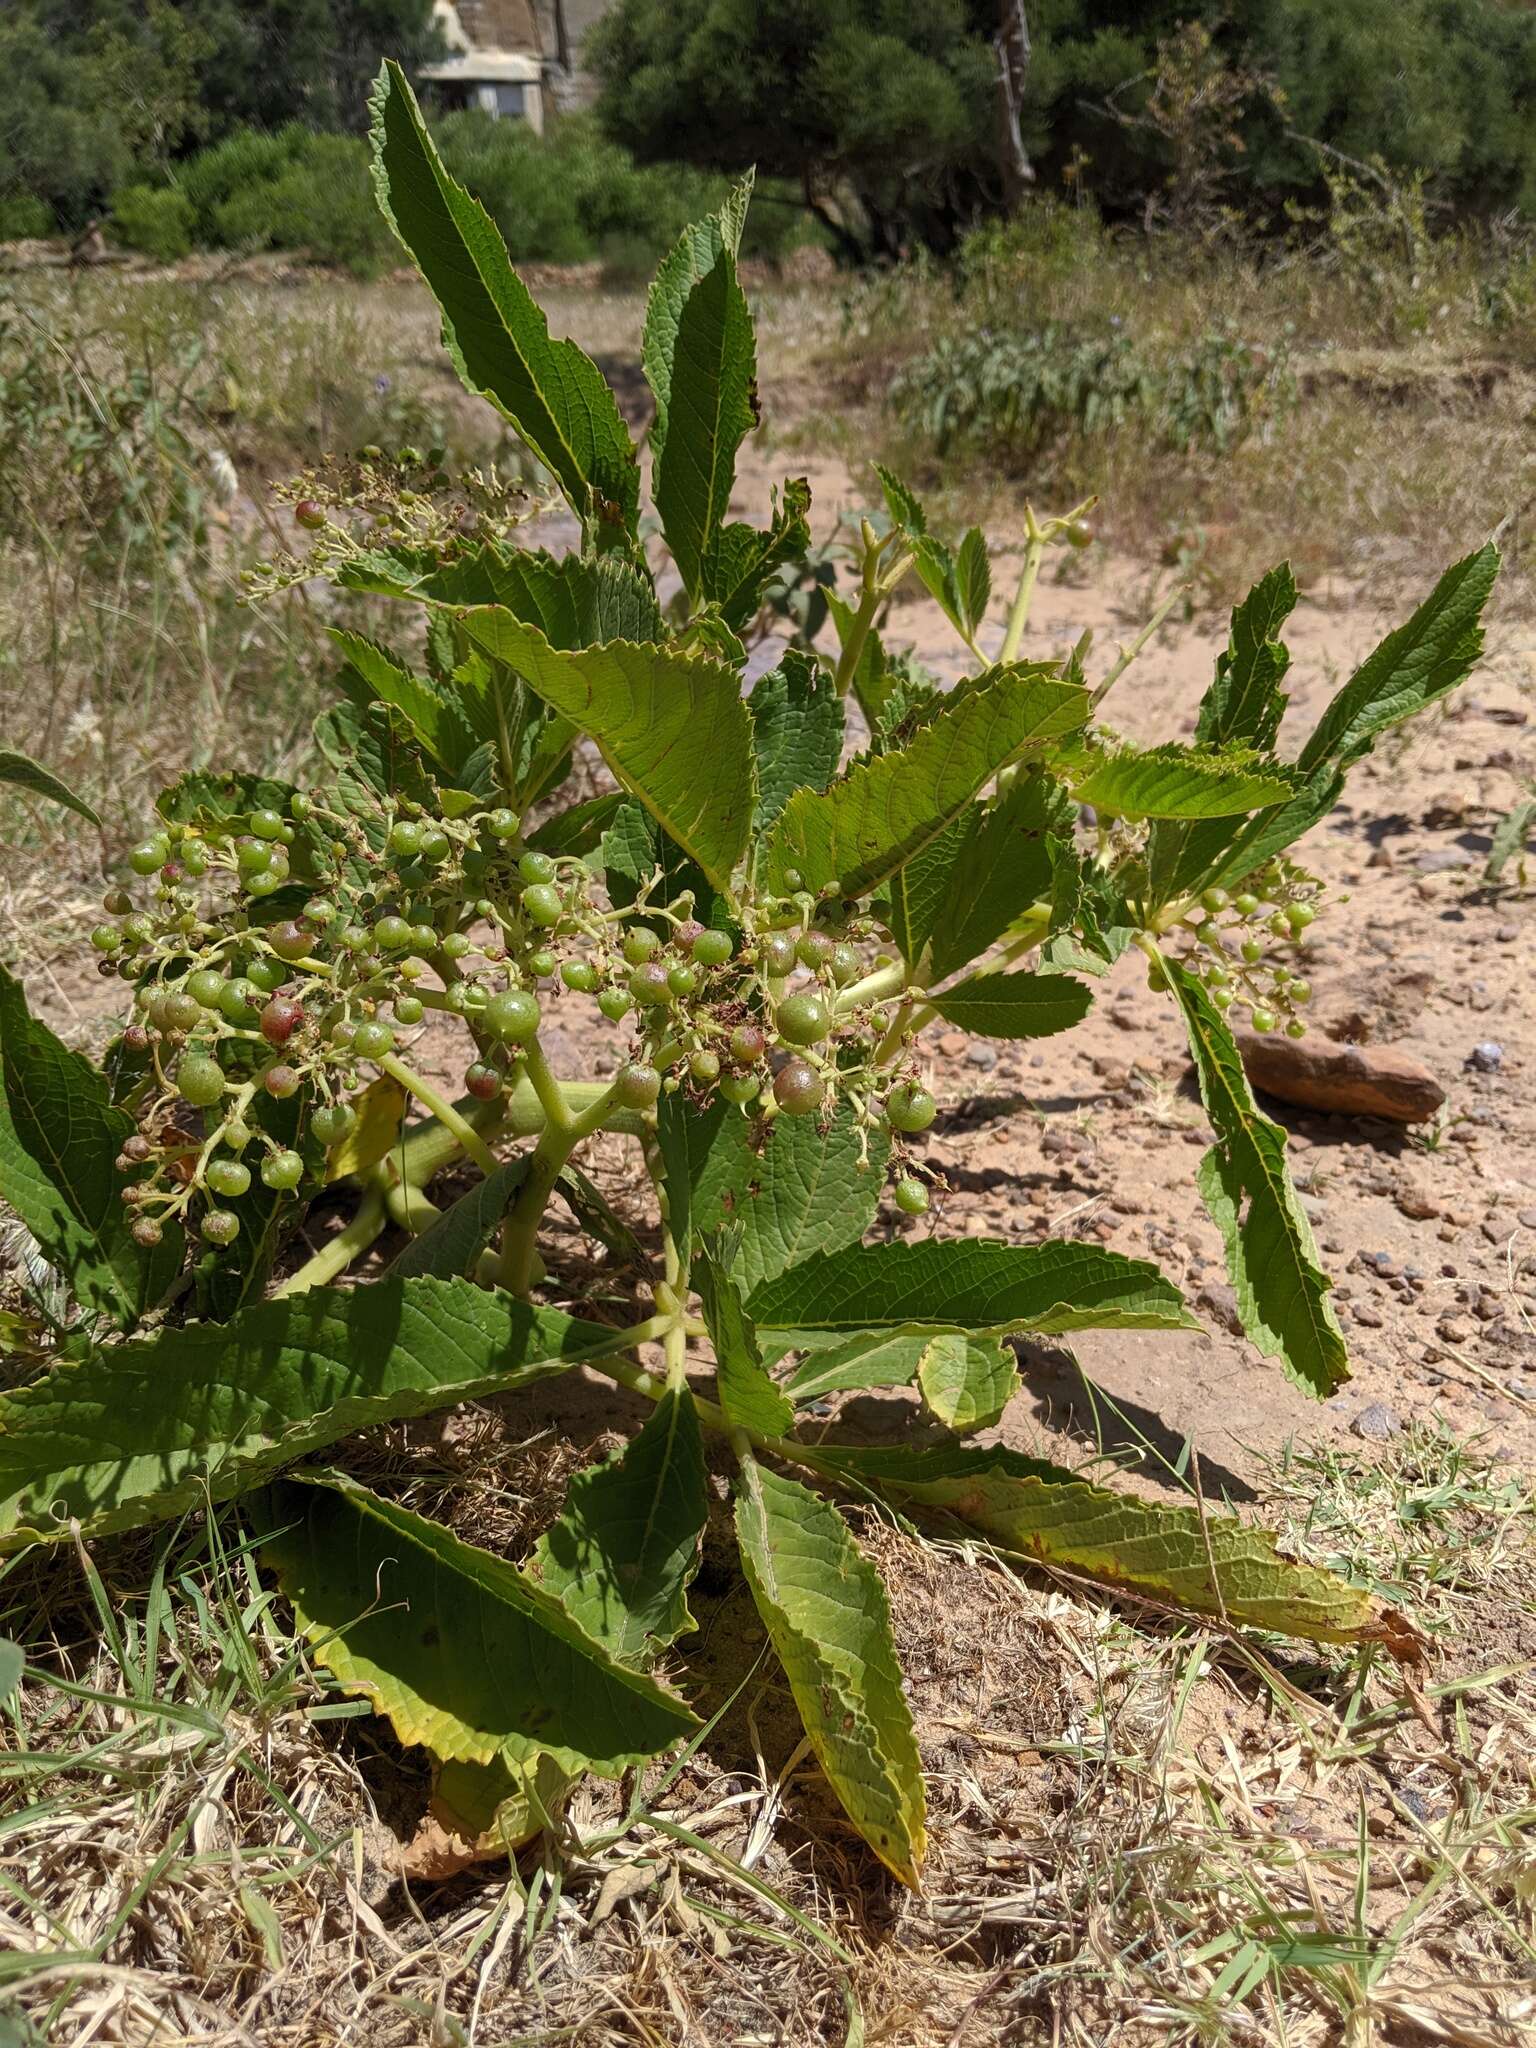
(1018, 617)
(333, 1259)
(563, 1132)
(469, 1138)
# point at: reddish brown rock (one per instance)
(1351, 1080)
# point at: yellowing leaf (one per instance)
(380, 1109)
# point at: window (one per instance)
(511, 102)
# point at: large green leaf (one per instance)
(885, 811)
(22, 772)
(573, 600)
(829, 1621)
(673, 729)
(499, 339)
(744, 557)
(1005, 865)
(1015, 1005)
(917, 892)
(1166, 1553)
(373, 672)
(1181, 782)
(747, 1393)
(781, 1191)
(700, 358)
(626, 1546)
(637, 858)
(144, 1430)
(1412, 667)
(885, 1358)
(1282, 1290)
(968, 1284)
(1244, 704)
(59, 1137)
(797, 732)
(456, 1647)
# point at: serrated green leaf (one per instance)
(700, 358)
(450, 1247)
(1006, 865)
(827, 1616)
(1282, 1290)
(22, 772)
(458, 1649)
(1166, 1553)
(635, 854)
(973, 581)
(781, 1190)
(499, 339)
(970, 1284)
(148, 1429)
(747, 1394)
(1244, 704)
(626, 1545)
(1178, 782)
(797, 732)
(902, 502)
(59, 1137)
(742, 558)
(1412, 667)
(967, 1382)
(1018, 1005)
(574, 601)
(884, 812)
(673, 730)
(886, 1359)
(373, 672)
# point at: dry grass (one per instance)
(1137, 1833)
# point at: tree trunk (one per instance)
(1013, 49)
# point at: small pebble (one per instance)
(1486, 1058)
(1378, 1423)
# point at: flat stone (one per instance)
(1441, 860)
(1351, 1080)
(1220, 1304)
(1377, 1423)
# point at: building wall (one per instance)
(562, 27)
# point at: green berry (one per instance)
(423, 938)
(910, 1108)
(405, 837)
(739, 1088)
(280, 1082)
(911, 1197)
(803, 1020)
(1245, 905)
(815, 949)
(227, 1177)
(1252, 951)
(705, 1068)
(138, 929)
(1301, 992)
(332, 1121)
(640, 943)
(409, 1009)
(194, 862)
(220, 1226)
(844, 964)
(200, 1081)
(267, 824)
(1299, 916)
(793, 880)
(777, 953)
(798, 1088)
(513, 1016)
(253, 856)
(1215, 899)
(182, 1011)
(682, 979)
(1263, 1020)
(237, 1004)
(150, 854)
(636, 1087)
(535, 867)
(393, 934)
(748, 1044)
(649, 984)
(713, 949)
(289, 940)
(502, 824)
(206, 986)
(1222, 998)
(372, 1039)
(267, 975)
(1295, 1029)
(106, 938)
(541, 964)
(542, 905)
(435, 846)
(282, 1170)
(456, 944)
(615, 1004)
(580, 975)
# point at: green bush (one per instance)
(1016, 394)
(23, 214)
(159, 220)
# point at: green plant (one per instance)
(773, 931)
(1017, 394)
(157, 219)
(1511, 837)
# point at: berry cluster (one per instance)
(1248, 945)
(281, 955)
